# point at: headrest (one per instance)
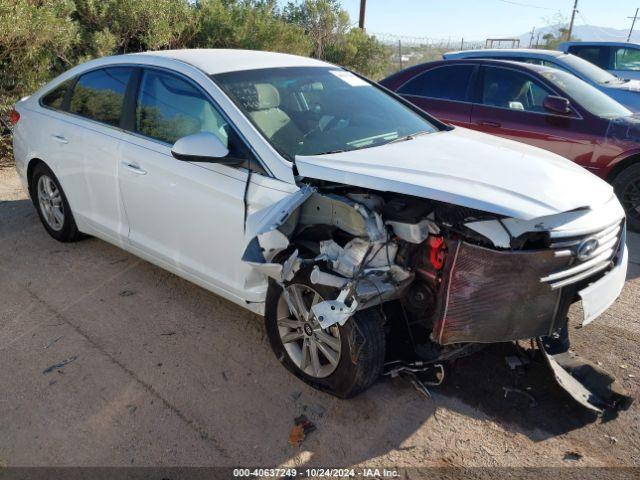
(268, 96)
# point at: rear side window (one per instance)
(627, 59)
(595, 55)
(55, 98)
(99, 95)
(169, 108)
(446, 83)
(506, 88)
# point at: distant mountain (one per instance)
(587, 33)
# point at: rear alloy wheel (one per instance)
(52, 205)
(50, 201)
(627, 187)
(344, 359)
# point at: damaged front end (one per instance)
(449, 278)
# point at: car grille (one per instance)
(589, 254)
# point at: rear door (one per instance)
(509, 104)
(90, 138)
(443, 92)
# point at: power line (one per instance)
(528, 5)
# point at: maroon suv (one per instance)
(538, 105)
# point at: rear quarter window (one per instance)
(55, 98)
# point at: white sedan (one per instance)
(374, 238)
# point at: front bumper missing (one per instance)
(588, 384)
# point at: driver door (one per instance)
(509, 105)
(189, 216)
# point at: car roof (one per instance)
(489, 61)
(214, 60)
(507, 52)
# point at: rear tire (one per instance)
(627, 187)
(361, 342)
(52, 205)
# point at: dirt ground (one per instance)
(110, 361)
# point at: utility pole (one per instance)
(632, 24)
(462, 44)
(363, 6)
(400, 52)
(533, 30)
(573, 16)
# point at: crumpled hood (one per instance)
(469, 169)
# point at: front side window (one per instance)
(55, 98)
(506, 88)
(99, 95)
(316, 110)
(587, 96)
(446, 83)
(169, 108)
(627, 59)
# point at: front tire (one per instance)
(341, 360)
(52, 205)
(627, 187)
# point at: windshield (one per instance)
(316, 110)
(589, 70)
(589, 97)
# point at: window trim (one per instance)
(470, 86)
(130, 111)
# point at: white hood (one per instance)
(469, 169)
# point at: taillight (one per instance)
(14, 116)
(437, 251)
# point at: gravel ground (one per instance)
(161, 372)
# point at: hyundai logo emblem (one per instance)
(586, 248)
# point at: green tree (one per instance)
(121, 26)
(35, 42)
(249, 24)
(329, 29)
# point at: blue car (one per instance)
(619, 58)
(626, 92)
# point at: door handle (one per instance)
(59, 138)
(134, 168)
(489, 124)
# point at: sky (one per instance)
(479, 19)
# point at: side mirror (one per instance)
(557, 105)
(201, 147)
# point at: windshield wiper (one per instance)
(411, 136)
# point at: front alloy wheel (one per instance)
(344, 359)
(627, 187)
(313, 350)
